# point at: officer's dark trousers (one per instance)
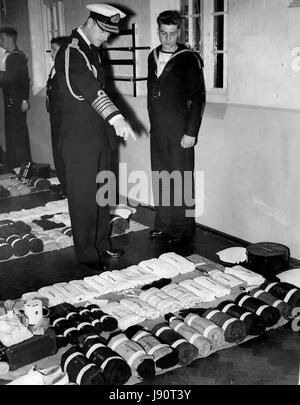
(174, 205)
(16, 136)
(90, 222)
(57, 155)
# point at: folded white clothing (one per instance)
(64, 218)
(125, 317)
(145, 275)
(53, 296)
(161, 300)
(102, 286)
(218, 289)
(74, 296)
(140, 308)
(226, 279)
(233, 255)
(204, 293)
(159, 268)
(49, 243)
(182, 294)
(134, 280)
(250, 277)
(181, 263)
(31, 296)
(117, 282)
(85, 288)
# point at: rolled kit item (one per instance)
(62, 240)
(218, 289)
(160, 268)
(68, 231)
(141, 363)
(22, 188)
(190, 334)
(116, 281)
(65, 328)
(255, 325)
(284, 291)
(140, 308)
(143, 274)
(183, 265)
(109, 323)
(40, 183)
(124, 317)
(102, 286)
(114, 368)
(88, 291)
(234, 329)
(182, 294)
(163, 302)
(270, 314)
(20, 246)
(6, 250)
(80, 369)
(36, 244)
(204, 293)
(164, 356)
(284, 308)
(250, 277)
(82, 325)
(207, 328)
(187, 352)
(49, 243)
(134, 277)
(226, 279)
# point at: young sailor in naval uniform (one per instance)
(15, 83)
(90, 123)
(176, 101)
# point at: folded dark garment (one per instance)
(164, 356)
(40, 183)
(48, 225)
(187, 352)
(20, 246)
(109, 323)
(114, 368)
(270, 314)
(286, 292)
(284, 308)
(255, 325)
(6, 250)
(80, 369)
(65, 328)
(36, 245)
(157, 284)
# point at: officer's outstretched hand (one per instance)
(25, 106)
(123, 129)
(188, 142)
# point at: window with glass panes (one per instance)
(191, 31)
(219, 46)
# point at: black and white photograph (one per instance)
(149, 196)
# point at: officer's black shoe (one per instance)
(113, 253)
(98, 266)
(155, 234)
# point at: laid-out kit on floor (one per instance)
(127, 326)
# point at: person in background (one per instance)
(15, 83)
(90, 123)
(53, 104)
(176, 101)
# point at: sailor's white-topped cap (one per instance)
(108, 16)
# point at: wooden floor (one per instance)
(273, 358)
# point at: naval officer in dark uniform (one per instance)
(176, 101)
(53, 104)
(15, 83)
(90, 123)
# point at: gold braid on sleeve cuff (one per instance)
(104, 106)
